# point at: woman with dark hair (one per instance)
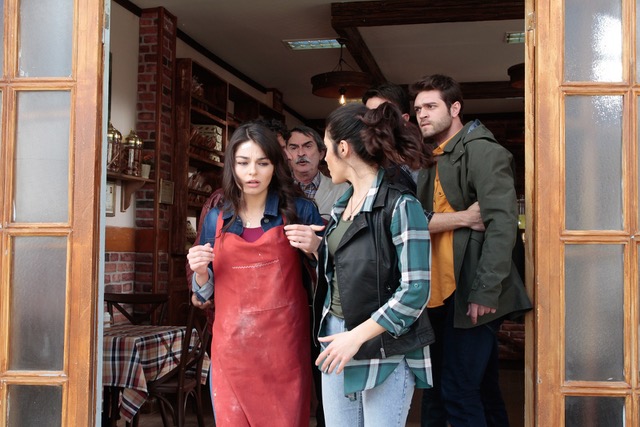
(260, 372)
(373, 273)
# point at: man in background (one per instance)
(388, 92)
(306, 150)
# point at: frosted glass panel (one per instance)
(593, 40)
(37, 310)
(42, 157)
(34, 406)
(593, 162)
(594, 312)
(45, 43)
(582, 411)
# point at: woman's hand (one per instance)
(199, 304)
(341, 349)
(199, 258)
(343, 346)
(304, 237)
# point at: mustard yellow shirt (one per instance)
(443, 279)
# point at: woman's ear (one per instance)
(344, 147)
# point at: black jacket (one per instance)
(367, 271)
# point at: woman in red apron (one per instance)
(260, 373)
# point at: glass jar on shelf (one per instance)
(132, 154)
(114, 149)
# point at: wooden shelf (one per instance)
(211, 109)
(130, 184)
(201, 115)
(203, 161)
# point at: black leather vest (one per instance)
(368, 275)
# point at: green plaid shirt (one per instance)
(410, 234)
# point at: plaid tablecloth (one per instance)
(135, 354)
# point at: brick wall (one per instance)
(119, 276)
(511, 341)
(156, 61)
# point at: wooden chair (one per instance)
(144, 306)
(184, 380)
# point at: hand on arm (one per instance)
(469, 218)
(304, 237)
(343, 346)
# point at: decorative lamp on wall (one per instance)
(341, 84)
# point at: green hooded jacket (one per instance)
(474, 167)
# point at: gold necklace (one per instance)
(247, 218)
(353, 207)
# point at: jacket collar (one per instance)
(270, 208)
(454, 148)
(368, 204)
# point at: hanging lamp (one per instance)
(516, 76)
(341, 84)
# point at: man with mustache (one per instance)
(306, 149)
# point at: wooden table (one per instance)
(135, 354)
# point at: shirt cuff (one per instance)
(204, 292)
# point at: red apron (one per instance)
(260, 362)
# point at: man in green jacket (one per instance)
(475, 284)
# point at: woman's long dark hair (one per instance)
(281, 183)
(380, 136)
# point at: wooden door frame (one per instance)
(545, 385)
(547, 205)
(85, 261)
(530, 365)
(82, 229)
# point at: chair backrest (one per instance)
(138, 308)
(191, 356)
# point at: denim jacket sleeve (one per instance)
(208, 235)
(308, 212)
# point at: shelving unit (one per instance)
(201, 133)
(130, 184)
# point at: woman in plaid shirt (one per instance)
(374, 273)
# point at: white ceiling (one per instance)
(248, 34)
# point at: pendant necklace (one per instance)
(354, 207)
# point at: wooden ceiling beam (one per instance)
(485, 90)
(361, 53)
(490, 90)
(405, 12)
(347, 17)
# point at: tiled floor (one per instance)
(511, 380)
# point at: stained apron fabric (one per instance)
(260, 349)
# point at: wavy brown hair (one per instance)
(281, 183)
(380, 137)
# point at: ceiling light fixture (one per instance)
(516, 75)
(512, 37)
(339, 83)
(310, 44)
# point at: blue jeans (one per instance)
(386, 405)
(470, 386)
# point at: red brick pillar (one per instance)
(154, 124)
